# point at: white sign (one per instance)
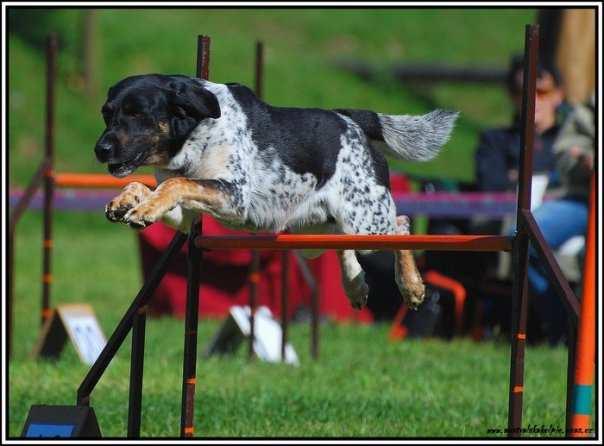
(267, 335)
(84, 331)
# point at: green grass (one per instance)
(362, 385)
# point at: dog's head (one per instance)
(148, 118)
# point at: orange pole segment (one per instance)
(341, 241)
(587, 323)
(398, 331)
(580, 426)
(586, 339)
(98, 180)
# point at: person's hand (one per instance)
(585, 160)
(513, 175)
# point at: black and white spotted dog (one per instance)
(218, 149)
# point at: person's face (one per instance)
(548, 97)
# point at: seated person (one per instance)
(497, 156)
(497, 160)
(498, 153)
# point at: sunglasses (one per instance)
(545, 92)
(541, 93)
(545, 86)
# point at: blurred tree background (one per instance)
(99, 47)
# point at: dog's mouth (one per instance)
(125, 168)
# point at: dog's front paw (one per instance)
(131, 196)
(143, 215)
(116, 209)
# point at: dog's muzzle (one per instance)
(125, 168)
(103, 151)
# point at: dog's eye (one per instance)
(131, 112)
(107, 113)
(178, 111)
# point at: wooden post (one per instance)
(521, 241)
(189, 373)
(51, 70)
(137, 360)
(576, 53)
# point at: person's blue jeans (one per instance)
(559, 220)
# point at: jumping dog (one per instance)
(219, 149)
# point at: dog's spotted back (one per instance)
(290, 168)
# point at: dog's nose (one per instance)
(103, 151)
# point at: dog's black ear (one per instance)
(196, 102)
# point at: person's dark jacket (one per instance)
(498, 152)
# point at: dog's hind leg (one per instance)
(377, 217)
(406, 275)
(353, 279)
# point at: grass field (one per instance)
(362, 385)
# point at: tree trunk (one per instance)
(576, 53)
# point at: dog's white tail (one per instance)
(417, 138)
(413, 138)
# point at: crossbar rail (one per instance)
(357, 242)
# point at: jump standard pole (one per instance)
(527, 230)
(192, 306)
(314, 304)
(521, 239)
(15, 216)
(49, 144)
(137, 357)
(191, 322)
